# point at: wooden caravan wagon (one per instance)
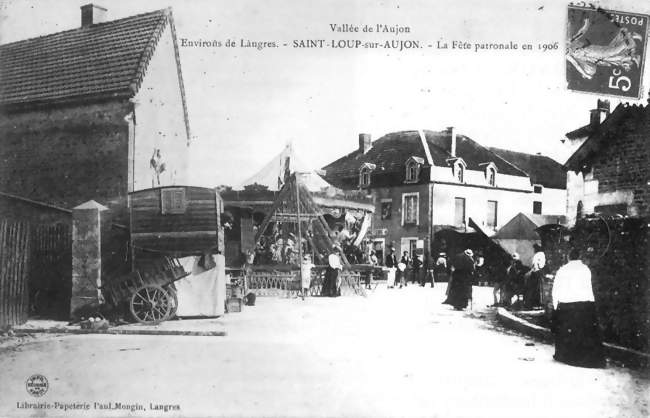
(176, 220)
(166, 223)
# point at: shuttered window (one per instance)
(173, 201)
(410, 208)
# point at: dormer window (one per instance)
(490, 173)
(364, 174)
(413, 165)
(459, 170)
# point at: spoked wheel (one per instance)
(151, 304)
(174, 299)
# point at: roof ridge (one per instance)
(523, 153)
(501, 158)
(148, 52)
(95, 25)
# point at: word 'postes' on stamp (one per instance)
(605, 51)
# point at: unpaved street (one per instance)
(395, 353)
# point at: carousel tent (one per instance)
(305, 210)
(519, 235)
(274, 174)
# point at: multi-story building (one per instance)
(424, 182)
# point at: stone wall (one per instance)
(66, 155)
(625, 165)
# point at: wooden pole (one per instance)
(295, 179)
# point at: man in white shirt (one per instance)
(575, 321)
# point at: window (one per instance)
(491, 176)
(459, 211)
(386, 209)
(460, 172)
(364, 176)
(537, 189)
(491, 220)
(537, 208)
(410, 208)
(413, 169)
(173, 201)
(378, 247)
(408, 244)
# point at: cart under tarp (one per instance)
(203, 292)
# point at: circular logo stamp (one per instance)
(37, 385)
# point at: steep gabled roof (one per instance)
(103, 60)
(623, 119)
(541, 169)
(391, 152)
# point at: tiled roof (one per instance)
(391, 152)
(102, 60)
(541, 169)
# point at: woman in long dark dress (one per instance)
(575, 321)
(460, 288)
(330, 283)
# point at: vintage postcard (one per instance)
(326, 208)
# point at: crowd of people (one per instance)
(574, 324)
(578, 340)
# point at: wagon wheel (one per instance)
(174, 301)
(150, 304)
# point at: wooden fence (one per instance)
(35, 271)
(14, 271)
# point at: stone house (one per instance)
(609, 172)
(94, 112)
(423, 182)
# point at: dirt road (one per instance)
(398, 352)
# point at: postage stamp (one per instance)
(605, 51)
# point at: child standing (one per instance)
(305, 275)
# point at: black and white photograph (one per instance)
(326, 208)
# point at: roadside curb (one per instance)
(118, 331)
(623, 354)
(513, 322)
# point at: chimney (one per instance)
(598, 115)
(92, 14)
(452, 148)
(365, 142)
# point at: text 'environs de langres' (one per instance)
(377, 28)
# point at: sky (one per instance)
(245, 104)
